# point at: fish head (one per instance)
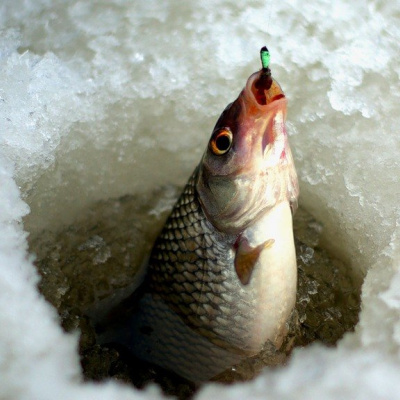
(248, 167)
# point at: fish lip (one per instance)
(272, 91)
(257, 113)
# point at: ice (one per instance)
(102, 251)
(108, 98)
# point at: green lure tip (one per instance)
(265, 57)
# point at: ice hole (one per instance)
(97, 256)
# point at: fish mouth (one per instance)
(264, 88)
(264, 105)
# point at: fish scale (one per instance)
(183, 279)
(175, 346)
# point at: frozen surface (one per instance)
(106, 98)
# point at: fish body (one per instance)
(221, 279)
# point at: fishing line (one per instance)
(269, 12)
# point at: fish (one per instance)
(221, 279)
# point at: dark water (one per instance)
(98, 256)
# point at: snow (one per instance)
(99, 99)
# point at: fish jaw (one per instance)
(258, 172)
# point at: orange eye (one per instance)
(221, 142)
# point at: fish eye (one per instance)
(221, 142)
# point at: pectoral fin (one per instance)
(246, 258)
